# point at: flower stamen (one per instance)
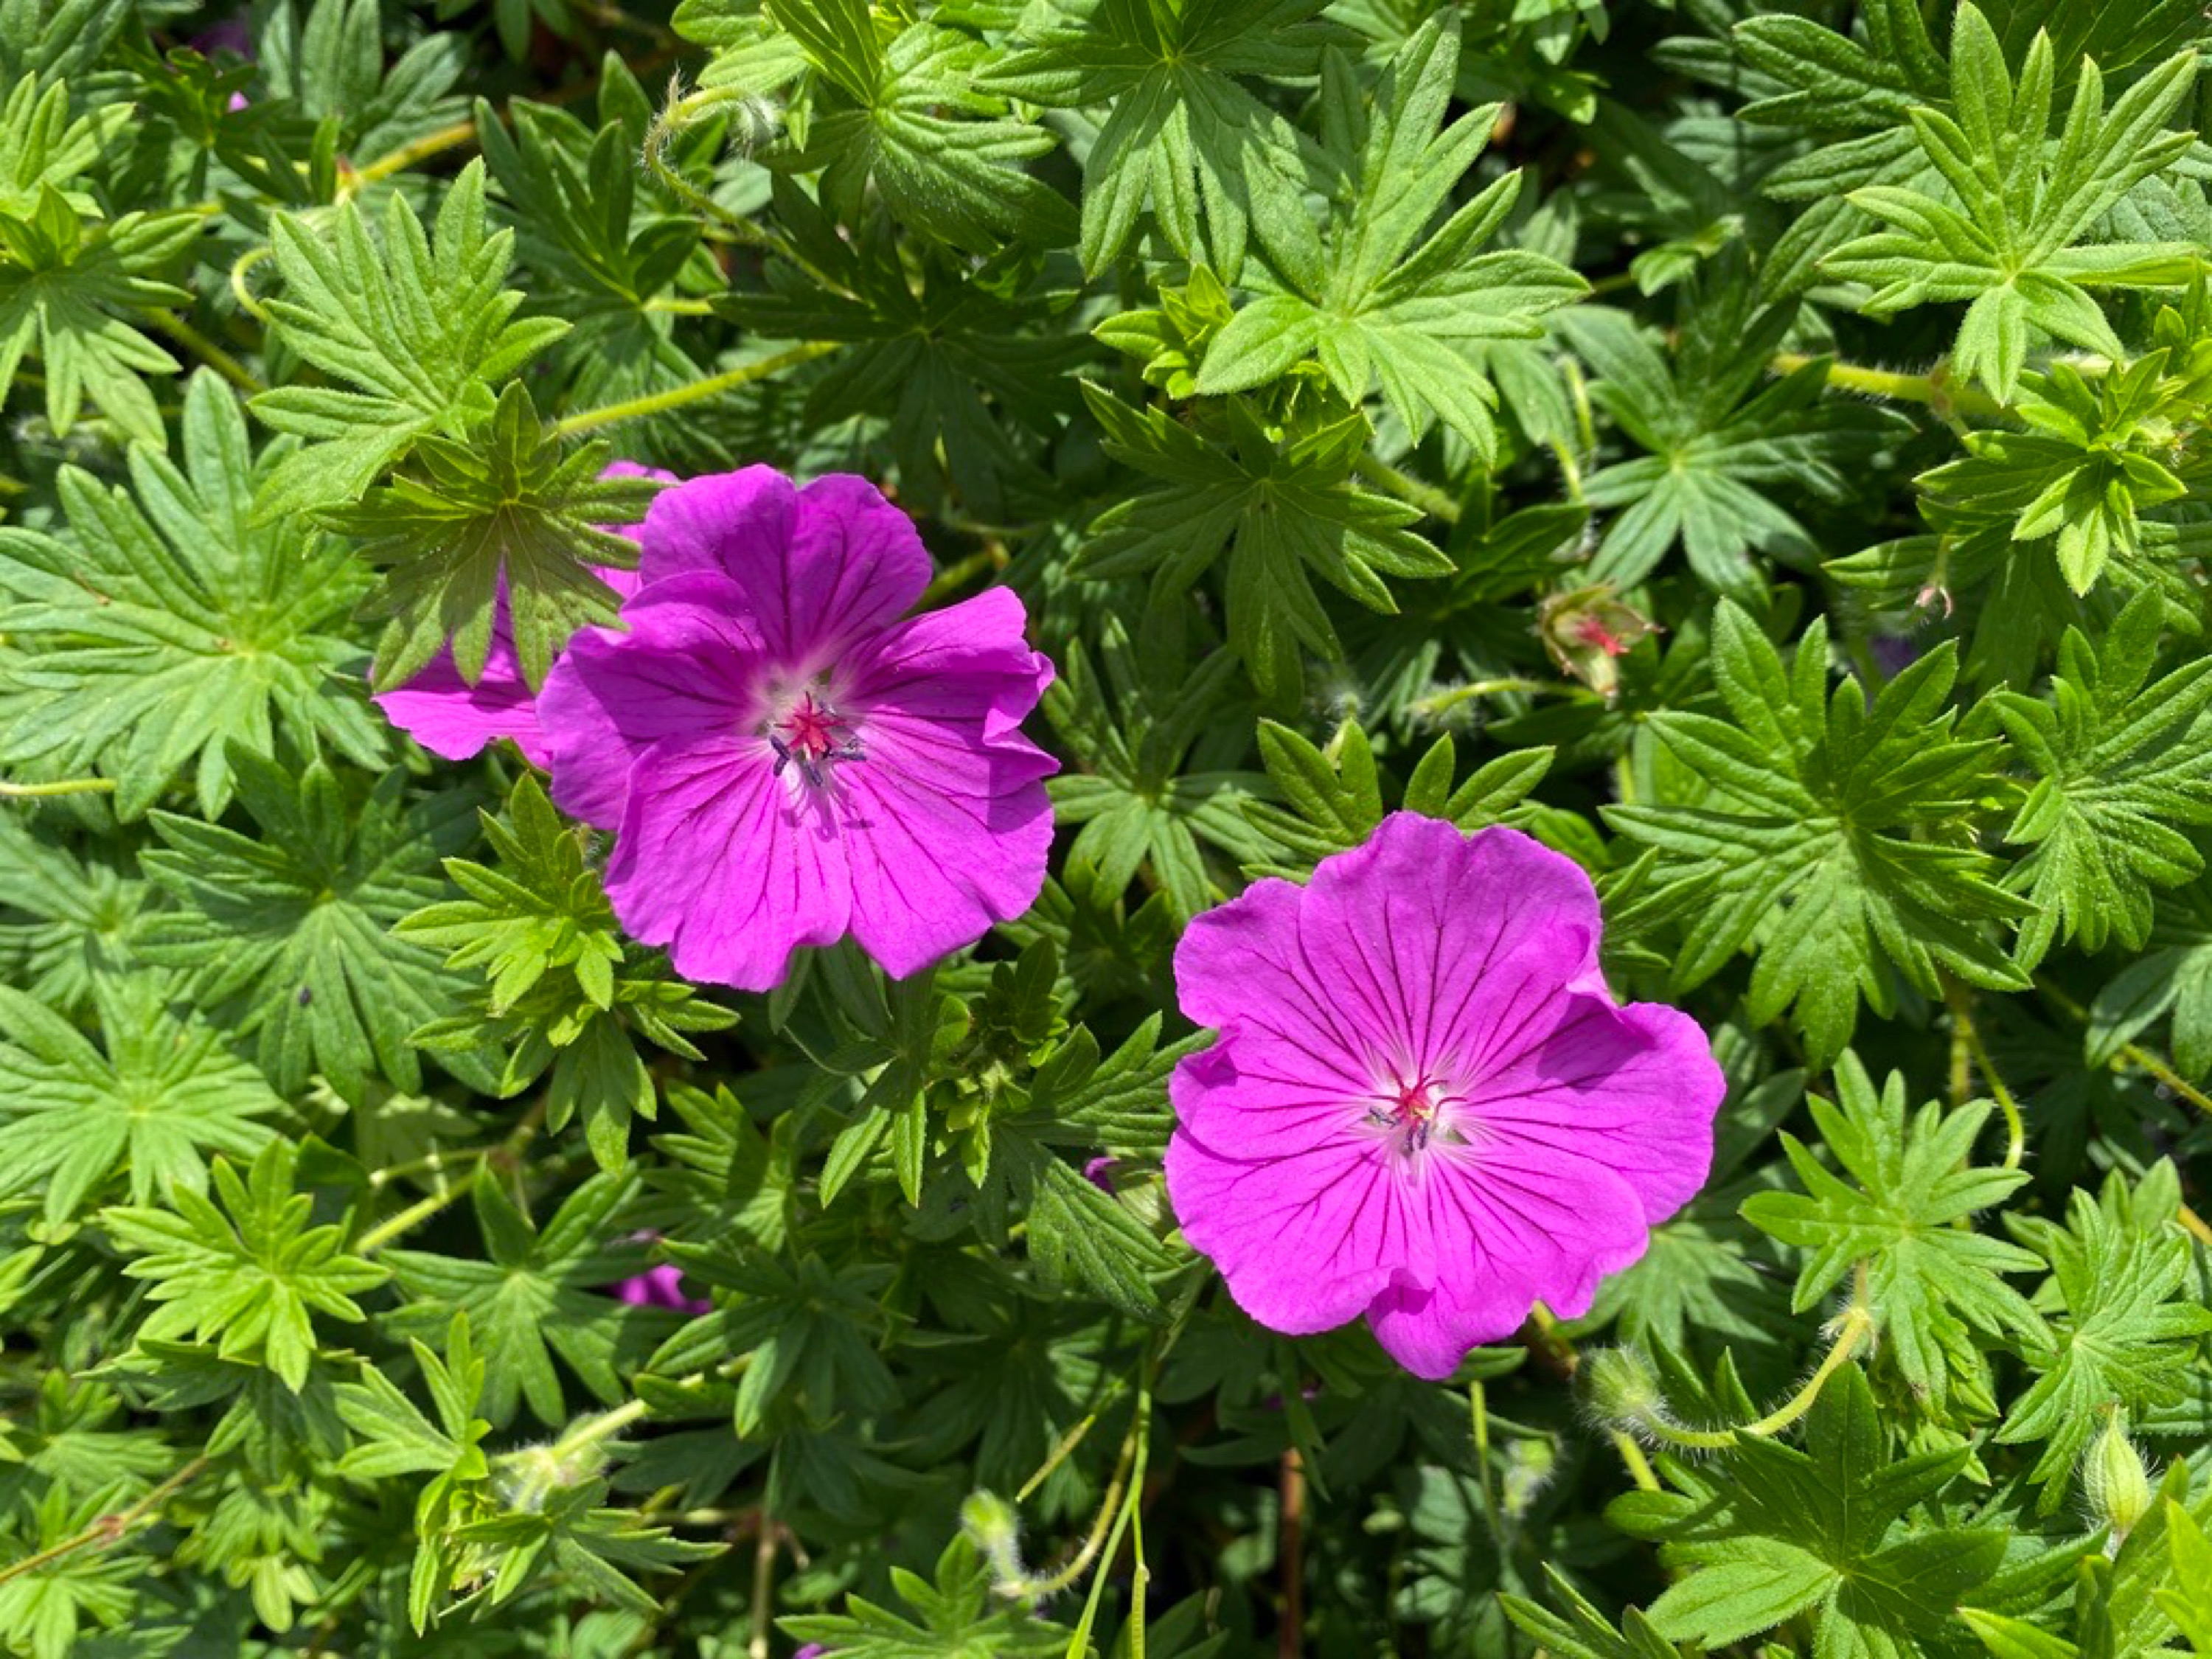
(809, 734)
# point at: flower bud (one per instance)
(1586, 629)
(995, 1530)
(1621, 1391)
(2114, 1479)
(524, 1479)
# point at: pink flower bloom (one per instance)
(454, 719)
(1424, 1104)
(782, 759)
(660, 1287)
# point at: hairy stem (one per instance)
(1938, 391)
(108, 1529)
(661, 403)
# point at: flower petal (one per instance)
(820, 567)
(452, 719)
(720, 859)
(1304, 1242)
(687, 667)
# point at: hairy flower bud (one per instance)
(2114, 1480)
(995, 1529)
(1621, 1391)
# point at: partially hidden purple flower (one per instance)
(782, 759)
(660, 1287)
(454, 719)
(1424, 1104)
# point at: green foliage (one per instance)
(1831, 831)
(1760, 452)
(249, 1275)
(1933, 1285)
(1368, 303)
(171, 628)
(290, 932)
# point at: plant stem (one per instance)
(1443, 703)
(1409, 489)
(1856, 1323)
(660, 403)
(1936, 391)
(482, 1159)
(108, 1529)
(2131, 1052)
(204, 349)
(1968, 1053)
(60, 786)
(763, 1607)
(593, 1430)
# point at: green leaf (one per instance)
(165, 1094)
(1932, 1283)
(1379, 302)
(291, 932)
(1831, 832)
(2119, 763)
(505, 512)
(250, 1275)
(1283, 512)
(1720, 446)
(883, 116)
(2188, 1604)
(2008, 246)
(535, 1294)
(63, 277)
(168, 628)
(957, 1619)
(1140, 805)
(2122, 1326)
(1184, 135)
(423, 334)
(1822, 1532)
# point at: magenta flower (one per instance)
(784, 761)
(454, 719)
(660, 1287)
(1424, 1104)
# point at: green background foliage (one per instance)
(1760, 451)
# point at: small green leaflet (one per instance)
(1820, 1533)
(535, 1294)
(1717, 452)
(1282, 514)
(2123, 1327)
(2120, 770)
(959, 1619)
(882, 117)
(1369, 303)
(1833, 832)
(1138, 804)
(1934, 1285)
(507, 501)
(425, 334)
(165, 1094)
(2009, 239)
(1183, 133)
(251, 1274)
(294, 926)
(169, 630)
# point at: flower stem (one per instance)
(204, 349)
(482, 1159)
(1858, 1322)
(1409, 489)
(1937, 390)
(108, 1529)
(1968, 1054)
(593, 1430)
(60, 786)
(660, 403)
(2132, 1053)
(1443, 702)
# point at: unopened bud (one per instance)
(1622, 1392)
(2114, 1479)
(1529, 1467)
(524, 1479)
(1586, 631)
(995, 1530)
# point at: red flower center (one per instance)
(1412, 1110)
(811, 733)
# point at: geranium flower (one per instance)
(454, 719)
(1424, 1104)
(783, 760)
(660, 1287)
